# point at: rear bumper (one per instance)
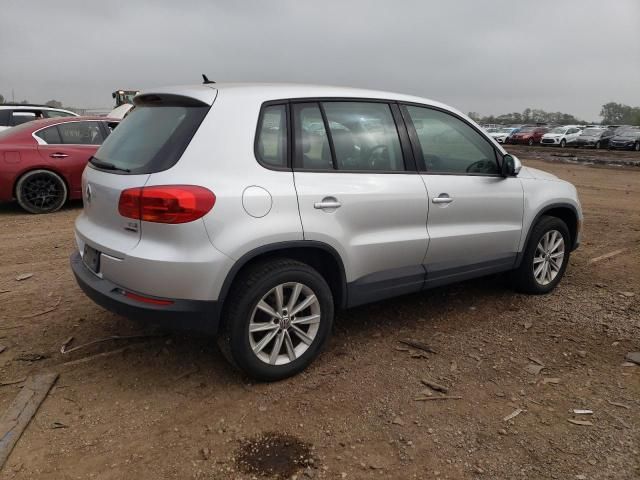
(195, 315)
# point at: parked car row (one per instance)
(622, 137)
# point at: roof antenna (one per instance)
(205, 80)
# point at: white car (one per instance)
(500, 135)
(561, 136)
(14, 114)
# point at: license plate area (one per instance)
(91, 258)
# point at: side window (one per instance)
(449, 145)
(55, 114)
(312, 144)
(81, 133)
(19, 117)
(271, 145)
(364, 136)
(50, 135)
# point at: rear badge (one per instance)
(88, 193)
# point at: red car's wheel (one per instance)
(41, 191)
(530, 142)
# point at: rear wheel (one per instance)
(41, 191)
(545, 258)
(598, 145)
(530, 142)
(279, 317)
(636, 147)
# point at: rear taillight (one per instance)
(166, 203)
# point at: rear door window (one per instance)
(19, 116)
(313, 151)
(81, 133)
(153, 136)
(5, 118)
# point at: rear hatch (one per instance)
(150, 139)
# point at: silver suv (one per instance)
(256, 211)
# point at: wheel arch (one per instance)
(318, 255)
(566, 212)
(48, 168)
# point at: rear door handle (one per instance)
(327, 203)
(442, 198)
(58, 155)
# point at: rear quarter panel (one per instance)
(221, 158)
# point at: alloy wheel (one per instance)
(548, 258)
(284, 323)
(42, 191)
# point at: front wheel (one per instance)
(598, 145)
(563, 143)
(41, 191)
(636, 147)
(279, 317)
(545, 257)
(530, 142)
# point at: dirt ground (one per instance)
(171, 407)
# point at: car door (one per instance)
(475, 214)
(572, 135)
(358, 193)
(69, 146)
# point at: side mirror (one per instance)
(510, 165)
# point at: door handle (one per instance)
(327, 203)
(58, 155)
(442, 198)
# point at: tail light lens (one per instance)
(166, 203)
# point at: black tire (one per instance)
(636, 147)
(531, 142)
(246, 292)
(563, 143)
(41, 191)
(597, 147)
(523, 277)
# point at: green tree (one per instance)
(54, 104)
(614, 113)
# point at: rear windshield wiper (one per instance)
(106, 165)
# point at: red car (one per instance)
(41, 162)
(528, 135)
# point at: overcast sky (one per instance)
(488, 56)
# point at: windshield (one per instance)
(151, 138)
(527, 129)
(559, 130)
(593, 131)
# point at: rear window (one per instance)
(153, 136)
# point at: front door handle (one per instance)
(327, 203)
(58, 155)
(442, 198)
